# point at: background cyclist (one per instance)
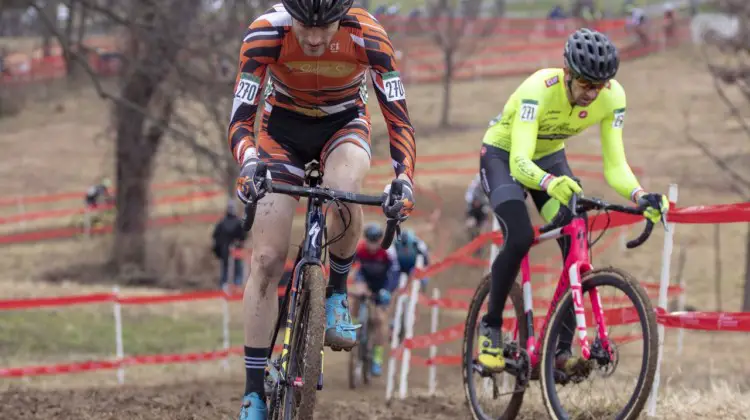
(408, 247)
(477, 208)
(377, 276)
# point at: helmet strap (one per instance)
(569, 85)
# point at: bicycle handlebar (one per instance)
(327, 194)
(579, 205)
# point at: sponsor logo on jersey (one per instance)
(327, 69)
(583, 114)
(552, 81)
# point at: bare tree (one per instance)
(455, 27)
(728, 63)
(171, 88)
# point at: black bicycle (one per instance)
(293, 379)
(360, 359)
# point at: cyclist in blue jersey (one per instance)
(377, 275)
(408, 248)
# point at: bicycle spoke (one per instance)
(497, 395)
(610, 382)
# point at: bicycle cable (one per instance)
(606, 226)
(340, 236)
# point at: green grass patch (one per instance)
(38, 336)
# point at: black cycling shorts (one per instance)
(289, 140)
(499, 185)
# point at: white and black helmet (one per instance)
(317, 12)
(591, 55)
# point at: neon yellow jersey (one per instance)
(538, 118)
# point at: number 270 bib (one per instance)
(393, 87)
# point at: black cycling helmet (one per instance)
(373, 232)
(317, 12)
(591, 55)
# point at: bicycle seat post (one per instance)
(313, 173)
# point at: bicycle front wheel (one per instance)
(359, 357)
(620, 371)
(495, 396)
(306, 351)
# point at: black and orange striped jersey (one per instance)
(319, 86)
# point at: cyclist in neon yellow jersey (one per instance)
(523, 152)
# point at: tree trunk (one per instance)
(137, 143)
(50, 11)
(499, 10)
(82, 15)
(73, 8)
(134, 169)
(746, 297)
(447, 81)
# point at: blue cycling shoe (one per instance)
(341, 334)
(253, 408)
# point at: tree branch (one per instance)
(737, 179)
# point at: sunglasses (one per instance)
(588, 85)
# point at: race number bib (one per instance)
(619, 119)
(528, 110)
(393, 87)
(247, 88)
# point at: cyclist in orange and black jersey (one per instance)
(309, 60)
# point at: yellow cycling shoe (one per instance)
(491, 348)
(573, 365)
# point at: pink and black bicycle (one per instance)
(605, 358)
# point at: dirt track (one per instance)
(221, 399)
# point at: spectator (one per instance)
(669, 22)
(555, 21)
(637, 23)
(380, 10)
(556, 12)
(97, 192)
(393, 9)
(229, 236)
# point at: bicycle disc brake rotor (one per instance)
(607, 361)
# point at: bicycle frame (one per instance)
(576, 264)
(310, 253)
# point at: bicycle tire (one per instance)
(360, 352)
(608, 276)
(467, 349)
(307, 332)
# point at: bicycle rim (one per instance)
(307, 346)
(646, 321)
(475, 390)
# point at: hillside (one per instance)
(668, 96)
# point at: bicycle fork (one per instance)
(598, 314)
(575, 287)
